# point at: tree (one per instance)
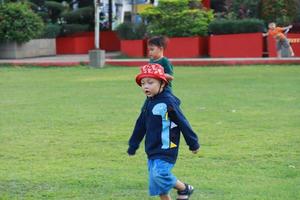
(282, 12)
(177, 18)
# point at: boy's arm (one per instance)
(137, 135)
(288, 27)
(265, 34)
(168, 67)
(189, 135)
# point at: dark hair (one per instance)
(160, 41)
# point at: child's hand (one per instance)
(130, 152)
(130, 155)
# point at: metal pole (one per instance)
(97, 22)
(97, 56)
(110, 12)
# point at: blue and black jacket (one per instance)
(161, 121)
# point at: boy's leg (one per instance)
(278, 48)
(279, 53)
(183, 190)
(288, 50)
(161, 180)
(180, 186)
(291, 51)
(165, 197)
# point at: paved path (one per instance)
(111, 59)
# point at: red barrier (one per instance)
(206, 3)
(294, 39)
(186, 47)
(74, 44)
(133, 48)
(236, 45)
(109, 41)
(81, 43)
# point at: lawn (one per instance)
(64, 133)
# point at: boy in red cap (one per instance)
(161, 121)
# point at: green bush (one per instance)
(38, 2)
(80, 16)
(130, 31)
(225, 26)
(68, 29)
(177, 18)
(283, 12)
(54, 10)
(241, 9)
(19, 23)
(51, 31)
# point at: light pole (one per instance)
(97, 22)
(97, 56)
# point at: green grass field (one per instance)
(64, 132)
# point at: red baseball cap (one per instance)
(151, 70)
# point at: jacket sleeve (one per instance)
(189, 135)
(137, 135)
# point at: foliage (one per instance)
(130, 31)
(175, 18)
(54, 10)
(38, 2)
(51, 31)
(240, 9)
(283, 12)
(225, 26)
(60, 13)
(85, 3)
(68, 29)
(81, 16)
(217, 5)
(19, 23)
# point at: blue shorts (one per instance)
(161, 180)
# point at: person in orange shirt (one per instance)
(281, 40)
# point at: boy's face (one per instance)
(151, 86)
(272, 26)
(155, 52)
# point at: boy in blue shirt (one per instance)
(160, 122)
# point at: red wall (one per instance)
(133, 48)
(109, 41)
(77, 44)
(81, 43)
(294, 39)
(186, 47)
(236, 45)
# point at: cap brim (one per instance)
(139, 78)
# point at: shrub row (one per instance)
(236, 26)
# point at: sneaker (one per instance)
(185, 194)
